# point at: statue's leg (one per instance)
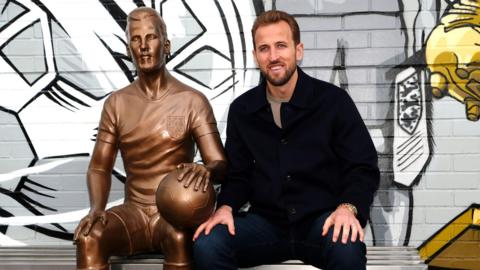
(115, 238)
(176, 245)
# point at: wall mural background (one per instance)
(61, 59)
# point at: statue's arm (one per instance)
(213, 156)
(99, 174)
(214, 165)
(98, 181)
(207, 138)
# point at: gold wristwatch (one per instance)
(350, 207)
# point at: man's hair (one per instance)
(275, 16)
(148, 12)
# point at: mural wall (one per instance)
(397, 59)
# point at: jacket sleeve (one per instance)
(358, 155)
(236, 190)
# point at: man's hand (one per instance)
(193, 172)
(452, 55)
(223, 215)
(344, 218)
(86, 223)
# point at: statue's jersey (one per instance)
(153, 135)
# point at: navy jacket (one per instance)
(322, 156)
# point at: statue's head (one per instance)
(147, 39)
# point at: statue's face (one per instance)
(147, 44)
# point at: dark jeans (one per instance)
(258, 241)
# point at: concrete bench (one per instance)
(63, 258)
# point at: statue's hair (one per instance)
(141, 13)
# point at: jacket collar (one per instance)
(301, 94)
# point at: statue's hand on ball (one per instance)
(193, 172)
(181, 198)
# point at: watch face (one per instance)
(59, 62)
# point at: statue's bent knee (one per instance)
(91, 250)
(177, 238)
(174, 243)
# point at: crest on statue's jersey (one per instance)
(175, 126)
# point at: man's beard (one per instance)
(279, 81)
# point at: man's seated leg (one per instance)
(256, 241)
(320, 251)
(123, 234)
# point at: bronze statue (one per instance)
(154, 122)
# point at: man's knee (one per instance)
(335, 255)
(217, 238)
(351, 255)
(211, 248)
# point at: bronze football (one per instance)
(184, 207)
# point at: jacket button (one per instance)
(288, 178)
(283, 141)
(292, 211)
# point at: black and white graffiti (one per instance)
(61, 59)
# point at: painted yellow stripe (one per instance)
(476, 216)
(445, 235)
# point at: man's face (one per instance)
(276, 53)
(147, 45)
